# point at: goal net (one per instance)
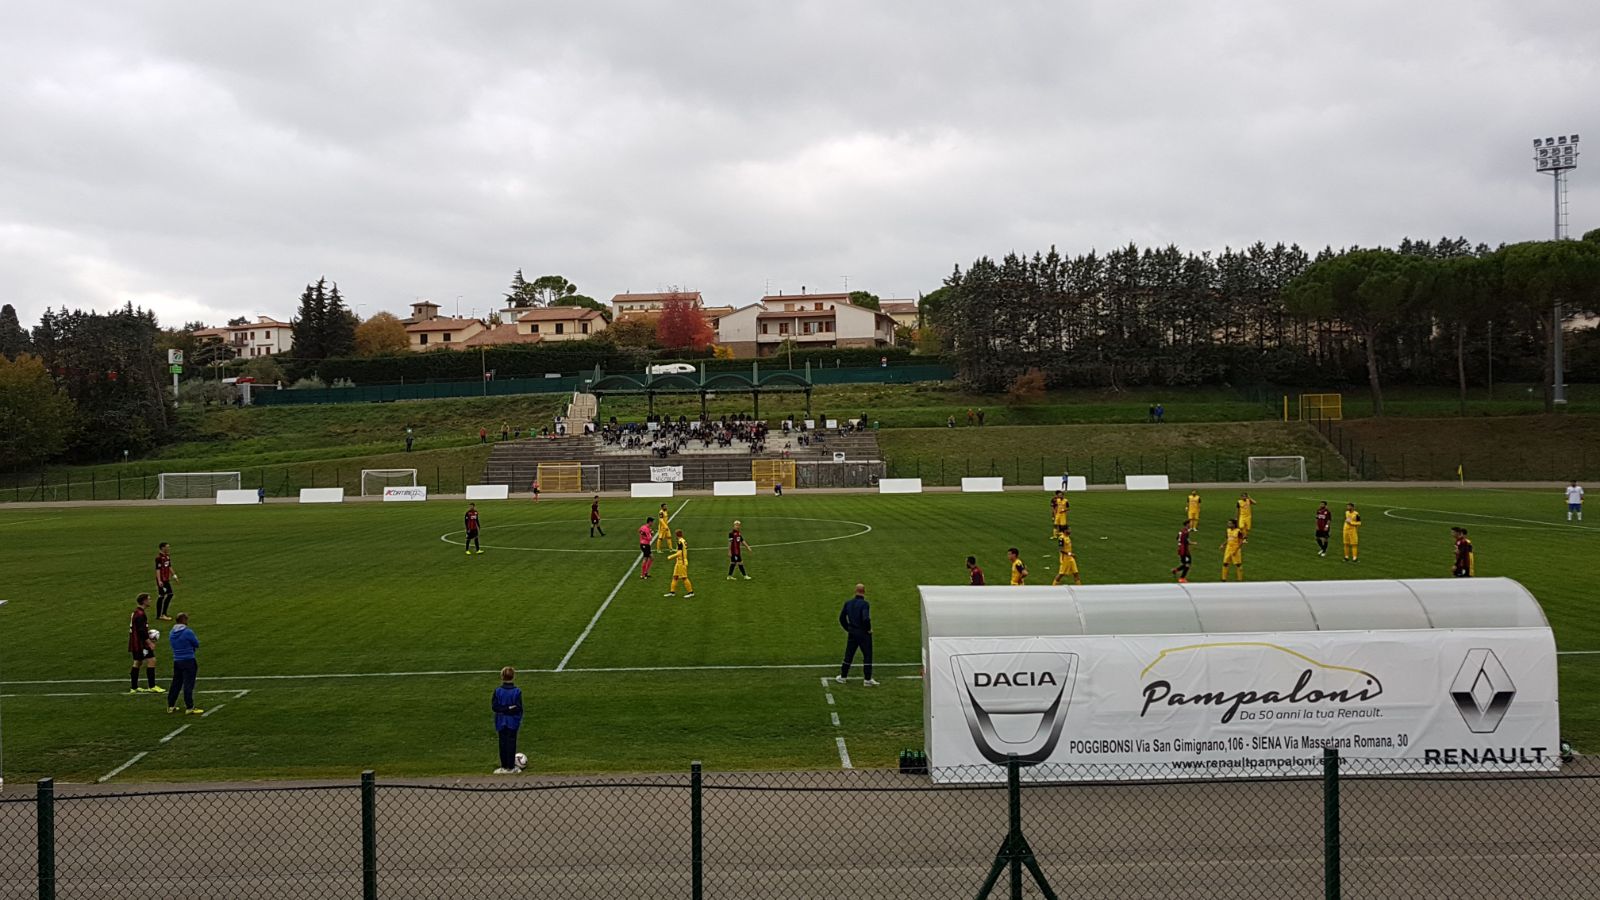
(1277, 468)
(1317, 407)
(373, 481)
(768, 472)
(568, 478)
(195, 485)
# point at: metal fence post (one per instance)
(369, 836)
(1330, 824)
(46, 807)
(696, 834)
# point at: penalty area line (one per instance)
(561, 666)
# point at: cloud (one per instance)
(208, 160)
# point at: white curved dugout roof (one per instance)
(1228, 608)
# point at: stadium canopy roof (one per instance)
(1228, 608)
(602, 383)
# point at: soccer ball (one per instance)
(155, 635)
(522, 760)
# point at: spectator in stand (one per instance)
(980, 417)
(483, 434)
(409, 438)
(1161, 413)
(505, 431)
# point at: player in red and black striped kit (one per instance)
(1324, 523)
(974, 574)
(1465, 565)
(471, 522)
(594, 517)
(141, 648)
(1184, 559)
(164, 579)
(736, 548)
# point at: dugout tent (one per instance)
(1152, 680)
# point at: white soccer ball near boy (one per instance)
(522, 760)
(155, 636)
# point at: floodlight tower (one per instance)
(1556, 157)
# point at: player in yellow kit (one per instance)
(1069, 562)
(680, 569)
(1352, 533)
(663, 531)
(1194, 510)
(1244, 505)
(1058, 511)
(1233, 551)
(1019, 571)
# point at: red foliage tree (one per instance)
(682, 324)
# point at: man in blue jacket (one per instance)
(507, 703)
(856, 620)
(184, 644)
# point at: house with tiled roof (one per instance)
(809, 320)
(560, 323)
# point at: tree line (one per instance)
(1439, 312)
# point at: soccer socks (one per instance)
(740, 567)
(150, 677)
(133, 678)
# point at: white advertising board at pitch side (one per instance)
(1115, 707)
(406, 494)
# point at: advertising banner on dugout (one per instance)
(666, 473)
(1206, 706)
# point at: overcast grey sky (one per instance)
(207, 159)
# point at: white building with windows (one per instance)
(810, 320)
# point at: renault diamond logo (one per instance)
(1482, 691)
(1016, 703)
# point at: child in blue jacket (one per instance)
(507, 703)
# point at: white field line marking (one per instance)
(1389, 512)
(844, 755)
(207, 713)
(865, 529)
(111, 693)
(119, 769)
(603, 606)
(529, 670)
(180, 730)
(31, 521)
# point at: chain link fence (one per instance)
(1352, 828)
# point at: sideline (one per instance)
(609, 597)
(844, 754)
(531, 670)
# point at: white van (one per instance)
(672, 369)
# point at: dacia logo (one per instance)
(1015, 704)
(1482, 691)
(1013, 679)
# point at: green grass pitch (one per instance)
(359, 594)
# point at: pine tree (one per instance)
(308, 323)
(521, 294)
(339, 327)
(13, 340)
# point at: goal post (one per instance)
(1276, 468)
(373, 481)
(568, 477)
(195, 485)
(768, 472)
(1319, 407)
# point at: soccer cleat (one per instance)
(136, 690)
(688, 595)
(171, 710)
(501, 771)
(196, 711)
(748, 578)
(516, 771)
(839, 678)
(670, 594)
(730, 577)
(469, 552)
(1183, 581)
(870, 682)
(156, 689)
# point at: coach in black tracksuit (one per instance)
(856, 620)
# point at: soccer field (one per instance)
(342, 638)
